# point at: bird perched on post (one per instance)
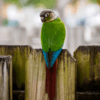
(52, 39)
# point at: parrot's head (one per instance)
(48, 15)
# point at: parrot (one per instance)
(52, 40)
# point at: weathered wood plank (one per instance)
(84, 57)
(88, 68)
(35, 77)
(60, 70)
(41, 77)
(96, 60)
(5, 78)
(19, 56)
(69, 76)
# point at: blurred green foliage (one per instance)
(5, 22)
(47, 3)
(91, 1)
(95, 1)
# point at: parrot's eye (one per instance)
(47, 14)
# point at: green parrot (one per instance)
(52, 40)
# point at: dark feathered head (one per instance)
(47, 15)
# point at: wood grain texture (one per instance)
(5, 78)
(88, 68)
(35, 77)
(19, 55)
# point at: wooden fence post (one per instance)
(88, 72)
(5, 78)
(35, 77)
(19, 56)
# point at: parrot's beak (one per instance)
(43, 19)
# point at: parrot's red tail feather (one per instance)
(48, 80)
(51, 81)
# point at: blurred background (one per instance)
(20, 23)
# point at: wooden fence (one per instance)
(88, 72)
(35, 77)
(19, 56)
(5, 78)
(78, 78)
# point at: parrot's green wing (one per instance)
(53, 35)
(52, 39)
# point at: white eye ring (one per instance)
(47, 14)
